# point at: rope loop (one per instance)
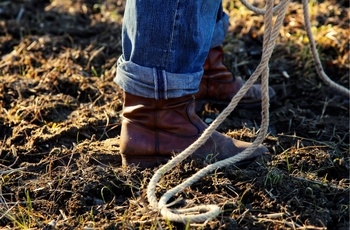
(257, 10)
(206, 212)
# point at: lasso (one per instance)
(270, 36)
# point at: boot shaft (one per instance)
(163, 127)
(175, 115)
(214, 67)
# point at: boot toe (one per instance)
(220, 147)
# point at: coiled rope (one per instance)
(196, 214)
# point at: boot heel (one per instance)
(143, 161)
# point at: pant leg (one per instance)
(221, 27)
(165, 43)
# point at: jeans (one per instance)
(165, 44)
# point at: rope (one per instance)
(316, 57)
(211, 211)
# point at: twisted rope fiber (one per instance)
(256, 10)
(316, 57)
(183, 215)
(214, 210)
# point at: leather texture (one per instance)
(219, 84)
(155, 130)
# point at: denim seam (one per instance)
(155, 77)
(165, 86)
(161, 89)
(172, 34)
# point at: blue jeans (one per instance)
(165, 44)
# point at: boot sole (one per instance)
(144, 161)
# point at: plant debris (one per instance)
(60, 115)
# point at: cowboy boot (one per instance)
(155, 130)
(218, 84)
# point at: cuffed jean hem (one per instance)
(220, 31)
(154, 83)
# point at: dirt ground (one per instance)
(60, 121)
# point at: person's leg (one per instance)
(220, 29)
(165, 44)
(218, 84)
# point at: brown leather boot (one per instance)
(155, 130)
(220, 86)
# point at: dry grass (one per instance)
(60, 121)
